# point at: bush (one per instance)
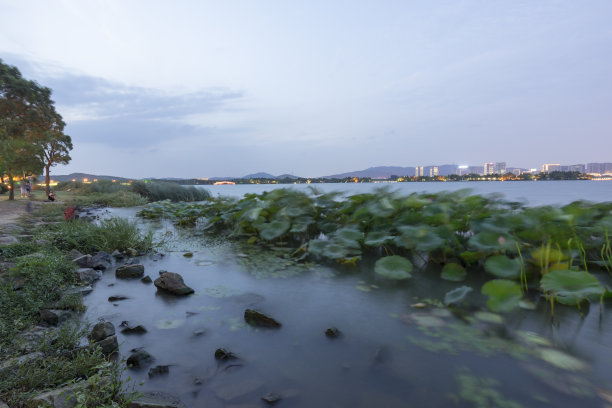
(117, 199)
(159, 190)
(18, 249)
(110, 234)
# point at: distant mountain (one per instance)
(81, 176)
(287, 176)
(380, 172)
(258, 175)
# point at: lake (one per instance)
(531, 192)
(399, 346)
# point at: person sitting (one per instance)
(51, 196)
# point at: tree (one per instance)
(31, 131)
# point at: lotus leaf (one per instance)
(562, 360)
(349, 237)
(504, 295)
(571, 287)
(378, 238)
(335, 251)
(317, 246)
(456, 295)
(393, 267)
(274, 229)
(453, 272)
(503, 267)
(492, 241)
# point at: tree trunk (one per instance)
(47, 190)
(11, 185)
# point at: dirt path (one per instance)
(10, 211)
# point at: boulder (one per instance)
(74, 254)
(117, 254)
(139, 358)
(7, 365)
(101, 260)
(255, 318)
(116, 298)
(53, 317)
(333, 332)
(127, 328)
(224, 354)
(130, 271)
(59, 398)
(80, 290)
(109, 345)
(88, 275)
(157, 399)
(271, 398)
(146, 279)
(158, 370)
(84, 261)
(8, 239)
(101, 331)
(173, 283)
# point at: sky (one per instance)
(227, 88)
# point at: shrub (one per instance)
(121, 198)
(159, 190)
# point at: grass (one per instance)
(158, 191)
(86, 237)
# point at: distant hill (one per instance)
(258, 175)
(81, 176)
(379, 172)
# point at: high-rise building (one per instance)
(489, 168)
(549, 167)
(500, 168)
(476, 170)
(433, 171)
(419, 171)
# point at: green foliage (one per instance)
(504, 295)
(159, 190)
(571, 287)
(18, 249)
(394, 267)
(108, 235)
(453, 272)
(120, 198)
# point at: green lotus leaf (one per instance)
(317, 246)
(377, 238)
(562, 360)
(471, 257)
(393, 267)
(335, 251)
(420, 237)
(504, 295)
(274, 229)
(492, 241)
(503, 267)
(349, 237)
(456, 295)
(571, 287)
(453, 272)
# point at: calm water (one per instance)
(532, 192)
(391, 354)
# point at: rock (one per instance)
(80, 290)
(101, 260)
(59, 398)
(88, 275)
(188, 254)
(53, 317)
(84, 261)
(74, 254)
(333, 332)
(271, 398)
(199, 332)
(139, 358)
(224, 355)
(117, 298)
(158, 370)
(3, 404)
(101, 331)
(5, 366)
(127, 328)
(157, 399)
(173, 283)
(8, 239)
(232, 391)
(146, 279)
(117, 254)
(157, 257)
(109, 345)
(255, 318)
(130, 271)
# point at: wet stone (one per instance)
(130, 271)
(117, 298)
(159, 370)
(139, 358)
(224, 354)
(146, 279)
(157, 399)
(109, 345)
(85, 261)
(333, 332)
(127, 328)
(101, 260)
(101, 331)
(271, 398)
(255, 318)
(54, 317)
(173, 283)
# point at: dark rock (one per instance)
(199, 332)
(157, 257)
(130, 271)
(189, 314)
(224, 355)
(173, 283)
(188, 254)
(80, 290)
(101, 331)
(53, 317)
(255, 318)
(85, 261)
(109, 345)
(158, 370)
(7, 365)
(146, 279)
(127, 328)
(101, 260)
(117, 254)
(333, 332)
(74, 254)
(88, 275)
(157, 399)
(271, 398)
(8, 239)
(117, 298)
(63, 397)
(139, 358)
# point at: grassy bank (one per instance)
(37, 274)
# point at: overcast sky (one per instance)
(226, 88)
